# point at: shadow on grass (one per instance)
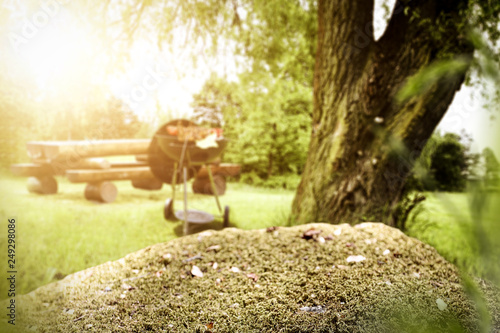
(195, 228)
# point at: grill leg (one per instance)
(174, 180)
(184, 171)
(214, 189)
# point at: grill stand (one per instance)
(169, 214)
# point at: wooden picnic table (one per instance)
(84, 162)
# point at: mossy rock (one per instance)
(275, 280)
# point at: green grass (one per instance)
(464, 228)
(64, 233)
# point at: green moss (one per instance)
(154, 290)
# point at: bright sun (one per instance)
(52, 54)
(64, 56)
(55, 53)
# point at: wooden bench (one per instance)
(83, 162)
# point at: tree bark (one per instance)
(363, 143)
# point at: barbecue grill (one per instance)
(174, 153)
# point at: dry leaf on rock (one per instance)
(313, 309)
(355, 258)
(436, 284)
(196, 257)
(253, 276)
(271, 229)
(196, 271)
(213, 248)
(127, 287)
(204, 234)
(441, 304)
(311, 233)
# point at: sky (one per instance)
(467, 113)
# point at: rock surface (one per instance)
(275, 280)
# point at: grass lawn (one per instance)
(464, 228)
(64, 233)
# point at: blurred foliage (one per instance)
(269, 128)
(26, 117)
(448, 164)
(428, 76)
(285, 181)
(266, 110)
(445, 164)
(492, 167)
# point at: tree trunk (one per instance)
(363, 143)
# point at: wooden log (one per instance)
(31, 170)
(142, 158)
(131, 164)
(84, 163)
(75, 150)
(151, 184)
(224, 169)
(96, 176)
(92, 163)
(203, 186)
(47, 168)
(102, 192)
(42, 185)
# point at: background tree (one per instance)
(17, 120)
(449, 164)
(491, 165)
(445, 164)
(267, 120)
(110, 119)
